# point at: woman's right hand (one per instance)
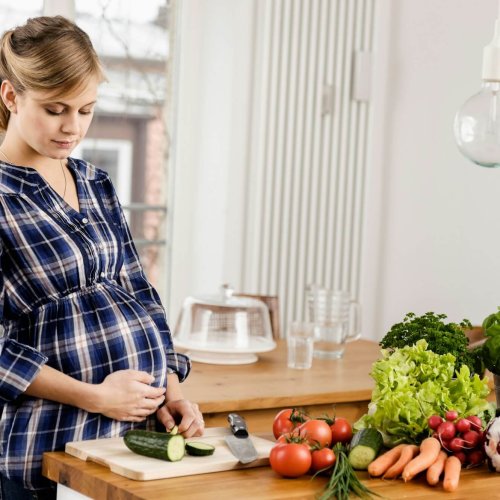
(127, 395)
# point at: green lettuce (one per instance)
(411, 384)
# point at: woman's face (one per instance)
(48, 126)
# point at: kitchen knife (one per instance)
(239, 442)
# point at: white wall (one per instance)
(213, 90)
(439, 214)
(432, 235)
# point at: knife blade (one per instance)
(239, 442)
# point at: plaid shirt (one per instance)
(73, 295)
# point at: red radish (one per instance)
(463, 425)
(461, 456)
(434, 422)
(447, 430)
(451, 415)
(476, 422)
(475, 457)
(471, 438)
(456, 444)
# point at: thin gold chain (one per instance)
(65, 183)
(62, 170)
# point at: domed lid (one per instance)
(224, 323)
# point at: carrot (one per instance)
(386, 460)
(407, 453)
(452, 469)
(429, 451)
(436, 469)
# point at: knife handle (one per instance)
(238, 425)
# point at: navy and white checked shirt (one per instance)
(73, 294)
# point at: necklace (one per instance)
(62, 170)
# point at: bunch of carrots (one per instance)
(408, 460)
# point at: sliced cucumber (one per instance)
(365, 446)
(199, 449)
(160, 445)
(174, 430)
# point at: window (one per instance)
(128, 137)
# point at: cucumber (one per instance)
(365, 446)
(199, 449)
(152, 444)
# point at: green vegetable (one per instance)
(490, 350)
(162, 445)
(413, 383)
(343, 480)
(199, 449)
(365, 446)
(441, 338)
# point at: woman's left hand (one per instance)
(186, 413)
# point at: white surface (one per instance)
(437, 216)
(65, 493)
(431, 233)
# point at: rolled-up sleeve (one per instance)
(19, 363)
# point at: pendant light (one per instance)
(477, 122)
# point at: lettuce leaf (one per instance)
(411, 384)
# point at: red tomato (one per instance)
(341, 430)
(286, 420)
(288, 437)
(322, 459)
(290, 459)
(316, 432)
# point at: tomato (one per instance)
(341, 430)
(287, 420)
(322, 459)
(290, 459)
(316, 432)
(288, 437)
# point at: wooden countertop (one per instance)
(269, 383)
(98, 482)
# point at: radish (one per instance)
(456, 444)
(463, 425)
(471, 438)
(451, 415)
(447, 430)
(434, 422)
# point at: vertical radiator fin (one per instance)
(308, 141)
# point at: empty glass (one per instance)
(336, 319)
(300, 341)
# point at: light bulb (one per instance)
(477, 123)
(477, 126)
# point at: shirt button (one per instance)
(85, 220)
(103, 275)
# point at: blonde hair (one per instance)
(47, 53)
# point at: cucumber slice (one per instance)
(160, 445)
(365, 446)
(199, 449)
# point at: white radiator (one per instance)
(307, 148)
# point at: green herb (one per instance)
(343, 482)
(441, 338)
(413, 383)
(490, 350)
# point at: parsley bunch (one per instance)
(441, 338)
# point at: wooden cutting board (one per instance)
(114, 454)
